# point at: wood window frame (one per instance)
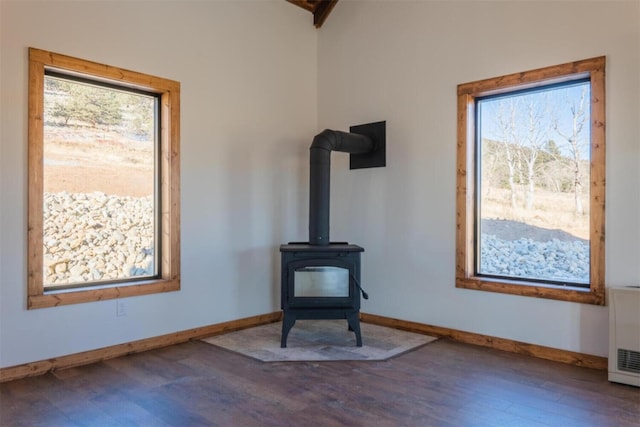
(169, 181)
(594, 69)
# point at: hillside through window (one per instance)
(530, 199)
(533, 197)
(100, 175)
(103, 182)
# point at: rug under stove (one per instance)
(319, 340)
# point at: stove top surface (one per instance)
(332, 247)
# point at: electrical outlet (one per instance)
(121, 310)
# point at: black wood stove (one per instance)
(320, 282)
(321, 279)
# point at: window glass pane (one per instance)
(533, 184)
(99, 183)
(321, 282)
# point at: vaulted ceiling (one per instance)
(319, 8)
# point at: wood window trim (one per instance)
(169, 91)
(593, 68)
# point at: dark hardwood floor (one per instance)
(441, 384)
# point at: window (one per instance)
(103, 182)
(531, 183)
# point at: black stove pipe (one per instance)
(320, 173)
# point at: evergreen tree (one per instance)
(91, 104)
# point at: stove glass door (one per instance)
(321, 281)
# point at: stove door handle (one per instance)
(364, 294)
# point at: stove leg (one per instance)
(288, 321)
(354, 325)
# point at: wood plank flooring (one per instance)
(444, 383)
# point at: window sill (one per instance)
(98, 293)
(533, 289)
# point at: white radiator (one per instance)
(624, 335)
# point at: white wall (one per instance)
(250, 105)
(401, 61)
(249, 108)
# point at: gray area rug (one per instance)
(319, 340)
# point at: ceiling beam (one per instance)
(319, 8)
(307, 5)
(322, 11)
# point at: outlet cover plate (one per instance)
(121, 310)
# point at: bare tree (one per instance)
(521, 122)
(505, 117)
(532, 140)
(572, 135)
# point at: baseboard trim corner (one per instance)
(92, 356)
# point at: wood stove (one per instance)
(320, 279)
(320, 282)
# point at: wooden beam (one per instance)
(304, 4)
(322, 11)
(319, 8)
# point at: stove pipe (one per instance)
(320, 173)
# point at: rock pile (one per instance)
(97, 237)
(100, 237)
(525, 258)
